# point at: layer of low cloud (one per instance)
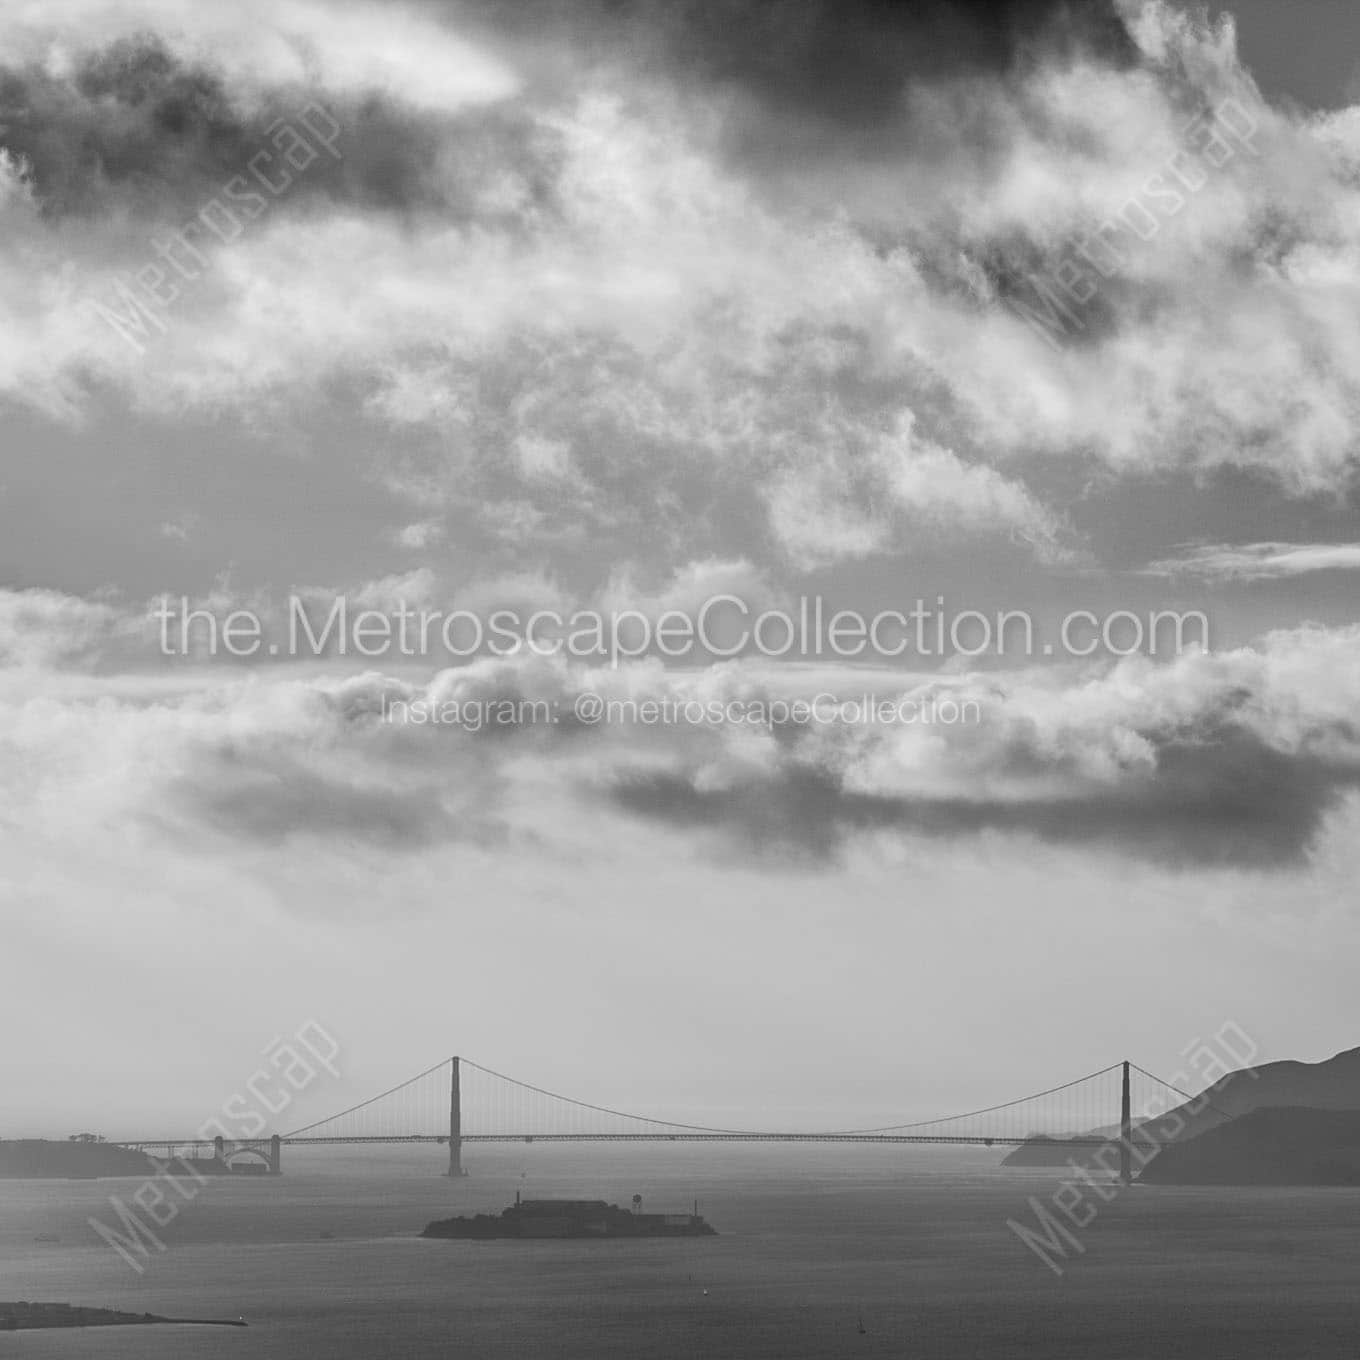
(1234, 759)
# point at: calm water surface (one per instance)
(913, 1240)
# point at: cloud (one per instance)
(689, 589)
(838, 66)
(568, 308)
(1258, 561)
(49, 629)
(178, 530)
(421, 534)
(359, 49)
(211, 761)
(1236, 759)
(256, 796)
(1217, 797)
(134, 129)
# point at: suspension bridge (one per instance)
(459, 1103)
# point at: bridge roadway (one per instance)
(978, 1140)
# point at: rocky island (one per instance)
(570, 1218)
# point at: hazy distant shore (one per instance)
(20, 1317)
(45, 1159)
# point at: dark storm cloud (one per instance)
(837, 68)
(846, 63)
(129, 121)
(1217, 796)
(133, 126)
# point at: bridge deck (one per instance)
(938, 1139)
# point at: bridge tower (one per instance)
(1125, 1132)
(455, 1121)
(276, 1155)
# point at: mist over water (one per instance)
(913, 1240)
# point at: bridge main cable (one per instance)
(991, 1109)
(598, 1109)
(1203, 1095)
(372, 1100)
(666, 1124)
(706, 1128)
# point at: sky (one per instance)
(584, 305)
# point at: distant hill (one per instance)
(1280, 1145)
(1333, 1084)
(41, 1159)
